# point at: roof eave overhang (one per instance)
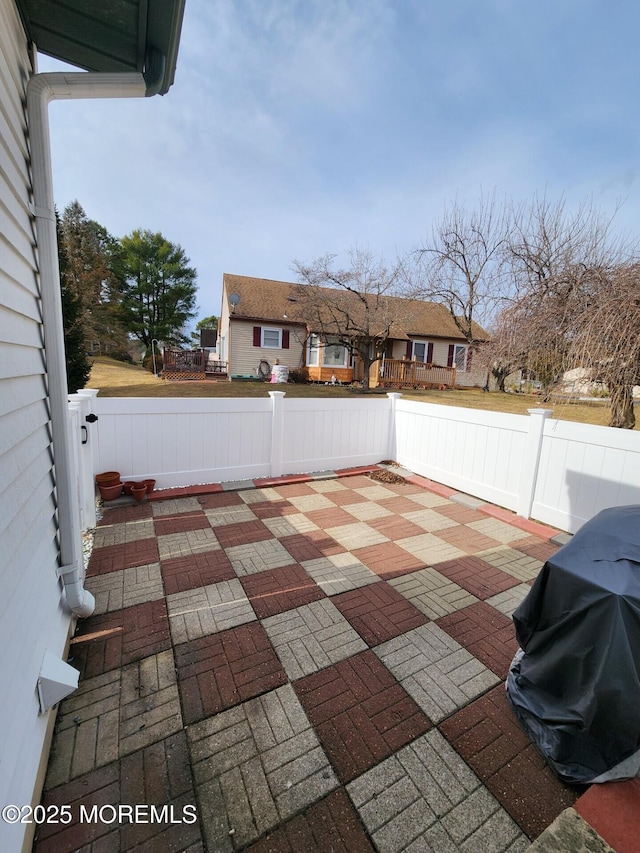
(103, 39)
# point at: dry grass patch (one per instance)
(117, 379)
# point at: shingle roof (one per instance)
(268, 300)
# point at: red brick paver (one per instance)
(113, 558)
(395, 526)
(539, 549)
(330, 517)
(112, 640)
(220, 499)
(476, 576)
(360, 712)
(273, 509)
(388, 560)
(167, 524)
(486, 633)
(487, 735)
(311, 546)
(467, 539)
(158, 775)
(218, 671)
(241, 533)
(330, 826)
(122, 514)
(280, 589)
(201, 569)
(378, 612)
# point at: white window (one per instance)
(460, 357)
(271, 338)
(419, 351)
(313, 349)
(334, 355)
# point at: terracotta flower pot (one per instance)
(150, 484)
(108, 478)
(110, 493)
(127, 486)
(138, 490)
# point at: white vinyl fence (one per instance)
(558, 472)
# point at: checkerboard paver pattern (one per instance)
(258, 556)
(426, 798)
(256, 765)
(360, 713)
(110, 640)
(437, 672)
(432, 593)
(339, 573)
(332, 824)
(195, 570)
(186, 543)
(315, 665)
(487, 736)
(378, 612)
(281, 589)
(116, 590)
(220, 670)
(312, 637)
(208, 609)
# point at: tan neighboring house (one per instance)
(262, 323)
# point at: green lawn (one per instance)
(116, 379)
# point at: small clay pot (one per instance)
(110, 493)
(138, 490)
(127, 486)
(108, 478)
(150, 484)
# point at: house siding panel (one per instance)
(29, 589)
(245, 357)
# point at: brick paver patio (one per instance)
(312, 666)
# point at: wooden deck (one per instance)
(192, 364)
(396, 373)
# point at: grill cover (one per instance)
(575, 684)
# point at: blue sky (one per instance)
(297, 128)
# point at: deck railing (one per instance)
(396, 373)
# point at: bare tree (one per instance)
(575, 303)
(606, 339)
(352, 307)
(461, 265)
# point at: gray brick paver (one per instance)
(311, 637)
(257, 557)
(436, 671)
(265, 777)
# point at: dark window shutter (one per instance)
(409, 350)
(257, 336)
(450, 356)
(429, 353)
(285, 339)
(469, 357)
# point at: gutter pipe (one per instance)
(41, 90)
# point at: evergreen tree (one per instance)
(78, 364)
(90, 252)
(158, 288)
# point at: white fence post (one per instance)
(531, 461)
(393, 444)
(86, 398)
(277, 432)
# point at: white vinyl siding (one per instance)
(31, 619)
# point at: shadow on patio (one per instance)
(307, 666)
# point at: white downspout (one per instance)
(41, 90)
